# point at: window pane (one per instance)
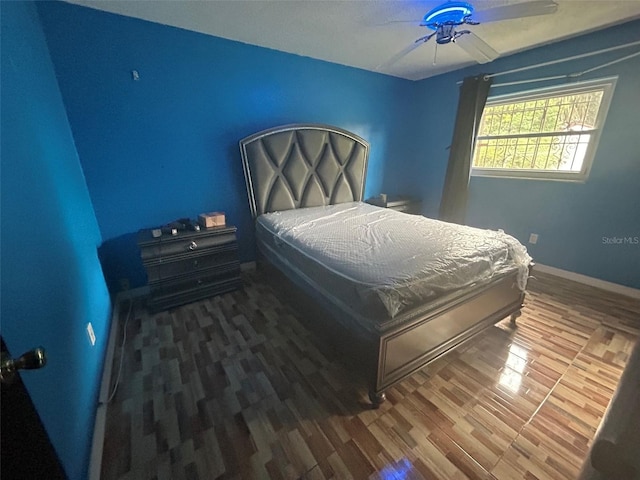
(574, 150)
(545, 132)
(548, 152)
(554, 114)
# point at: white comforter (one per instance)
(403, 258)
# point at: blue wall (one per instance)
(571, 218)
(166, 146)
(52, 283)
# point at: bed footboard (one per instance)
(410, 347)
(387, 359)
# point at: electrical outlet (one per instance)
(533, 238)
(91, 334)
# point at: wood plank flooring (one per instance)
(234, 387)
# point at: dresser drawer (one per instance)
(178, 246)
(170, 267)
(157, 303)
(204, 279)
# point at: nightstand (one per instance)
(189, 266)
(401, 203)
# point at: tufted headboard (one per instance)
(303, 165)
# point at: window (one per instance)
(550, 133)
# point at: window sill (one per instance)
(573, 177)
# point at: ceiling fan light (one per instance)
(453, 12)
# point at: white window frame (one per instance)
(607, 84)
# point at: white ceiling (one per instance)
(367, 33)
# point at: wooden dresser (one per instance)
(189, 266)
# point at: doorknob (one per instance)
(36, 358)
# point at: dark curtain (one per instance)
(473, 97)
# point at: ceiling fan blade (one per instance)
(403, 52)
(479, 50)
(396, 22)
(517, 10)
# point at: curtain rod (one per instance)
(568, 75)
(553, 62)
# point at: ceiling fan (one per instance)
(446, 19)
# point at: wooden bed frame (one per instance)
(306, 165)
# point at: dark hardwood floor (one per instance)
(236, 387)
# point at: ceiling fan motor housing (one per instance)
(446, 33)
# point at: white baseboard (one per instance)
(594, 282)
(97, 443)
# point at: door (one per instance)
(26, 450)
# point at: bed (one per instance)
(400, 290)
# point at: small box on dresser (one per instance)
(211, 219)
(189, 266)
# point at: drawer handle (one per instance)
(193, 246)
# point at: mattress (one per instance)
(380, 264)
